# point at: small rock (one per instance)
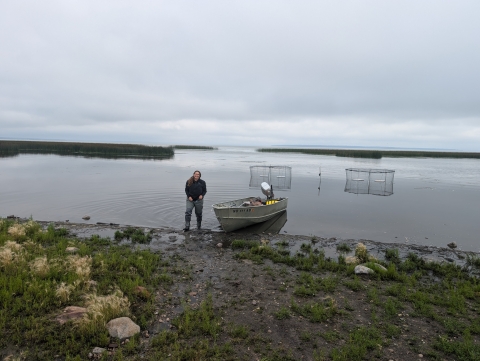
(71, 313)
(146, 334)
(362, 270)
(11, 216)
(219, 245)
(113, 345)
(86, 218)
(452, 245)
(420, 355)
(449, 259)
(98, 351)
(71, 249)
(192, 293)
(254, 302)
(90, 355)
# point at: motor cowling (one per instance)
(266, 189)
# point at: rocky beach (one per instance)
(281, 297)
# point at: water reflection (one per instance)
(378, 182)
(273, 225)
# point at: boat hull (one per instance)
(232, 215)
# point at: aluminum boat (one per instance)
(240, 213)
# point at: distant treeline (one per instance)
(376, 154)
(201, 147)
(10, 148)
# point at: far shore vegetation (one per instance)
(199, 147)
(375, 154)
(11, 148)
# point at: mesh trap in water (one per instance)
(279, 176)
(378, 182)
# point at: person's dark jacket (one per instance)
(196, 189)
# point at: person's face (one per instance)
(196, 176)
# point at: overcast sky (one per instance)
(356, 73)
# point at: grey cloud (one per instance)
(98, 63)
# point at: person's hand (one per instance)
(190, 199)
(200, 197)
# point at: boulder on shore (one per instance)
(362, 270)
(122, 327)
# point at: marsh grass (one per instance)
(316, 311)
(355, 284)
(242, 244)
(136, 235)
(375, 154)
(437, 294)
(344, 248)
(199, 321)
(360, 341)
(282, 314)
(238, 331)
(38, 278)
(473, 261)
(10, 148)
(442, 293)
(392, 255)
(310, 285)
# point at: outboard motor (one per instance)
(267, 190)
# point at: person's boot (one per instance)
(187, 227)
(199, 224)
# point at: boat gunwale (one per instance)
(216, 205)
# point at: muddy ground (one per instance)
(253, 294)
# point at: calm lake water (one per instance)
(434, 201)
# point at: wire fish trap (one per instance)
(378, 182)
(279, 177)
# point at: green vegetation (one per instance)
(135, 234)
(43, 271)
(441, 296)
(10, 148)
(344, 248)
(195, 312)
(375, 154)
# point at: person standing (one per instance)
(195, 189)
